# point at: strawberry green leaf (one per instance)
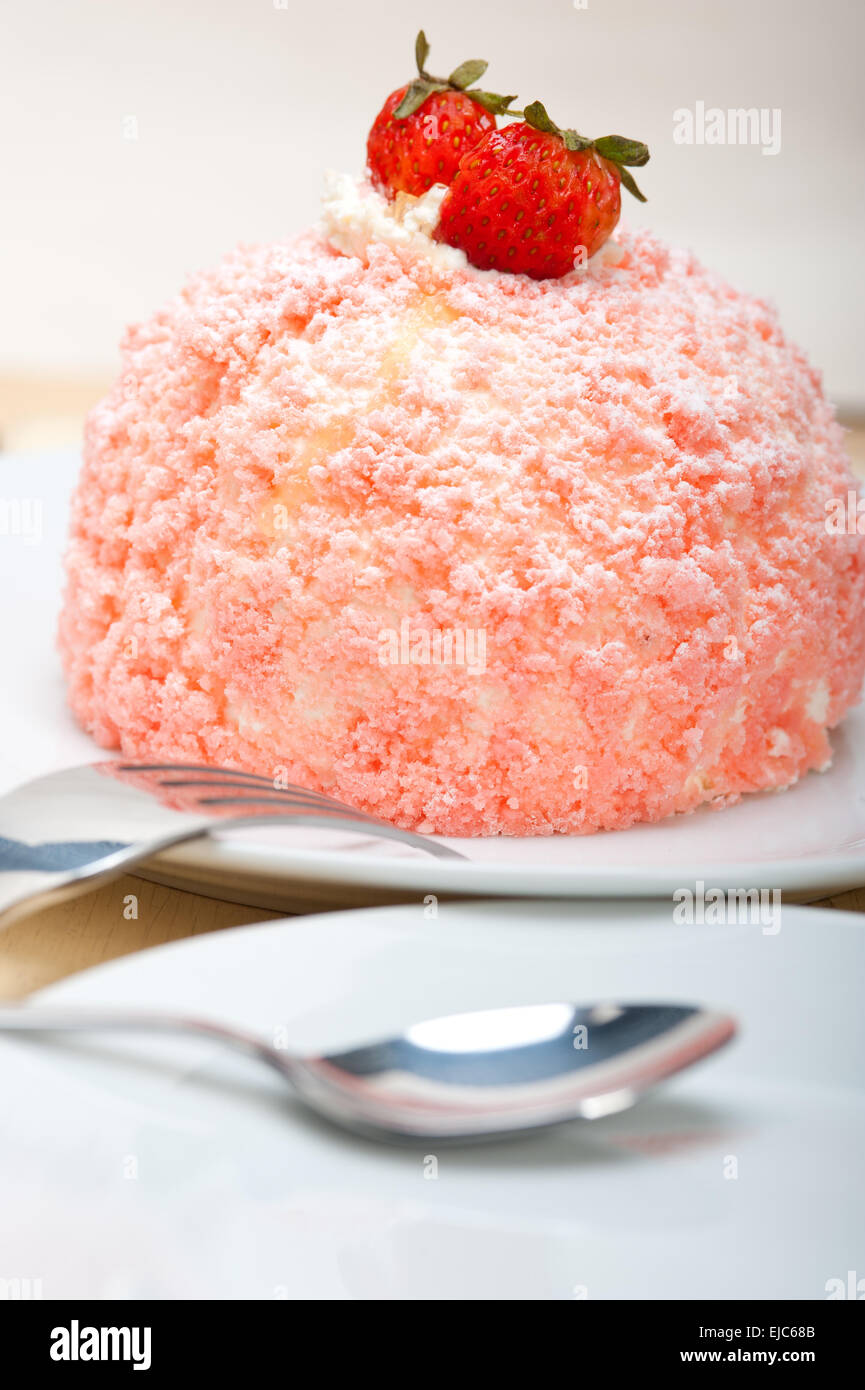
(467, 73)
(621, 150)
(536, 116)
(628, 181)
(492, 102)
(573, 141)
(421, 51)
(416, 94)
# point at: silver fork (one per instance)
(63, 833)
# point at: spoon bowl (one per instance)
(465, 1076)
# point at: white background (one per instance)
(240, 105)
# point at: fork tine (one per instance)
(207, 770)
(291, 800)
(288, 803)
(217, 775)
(228, 779)
(302, 795)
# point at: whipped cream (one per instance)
(356, 216)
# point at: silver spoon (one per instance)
(466, 1076)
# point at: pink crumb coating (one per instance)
(620, 479)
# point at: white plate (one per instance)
(808, 841)
(174, 1170)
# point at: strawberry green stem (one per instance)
(460, 80)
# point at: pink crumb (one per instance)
(615, 485)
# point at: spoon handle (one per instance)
(24, 1018)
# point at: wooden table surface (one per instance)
(50, 944)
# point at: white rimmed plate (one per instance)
(137, 1168)
(808, 841)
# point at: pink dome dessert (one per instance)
(478, 553)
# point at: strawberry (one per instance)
(534, 199)
(423, 130)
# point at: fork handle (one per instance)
(23, 889)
